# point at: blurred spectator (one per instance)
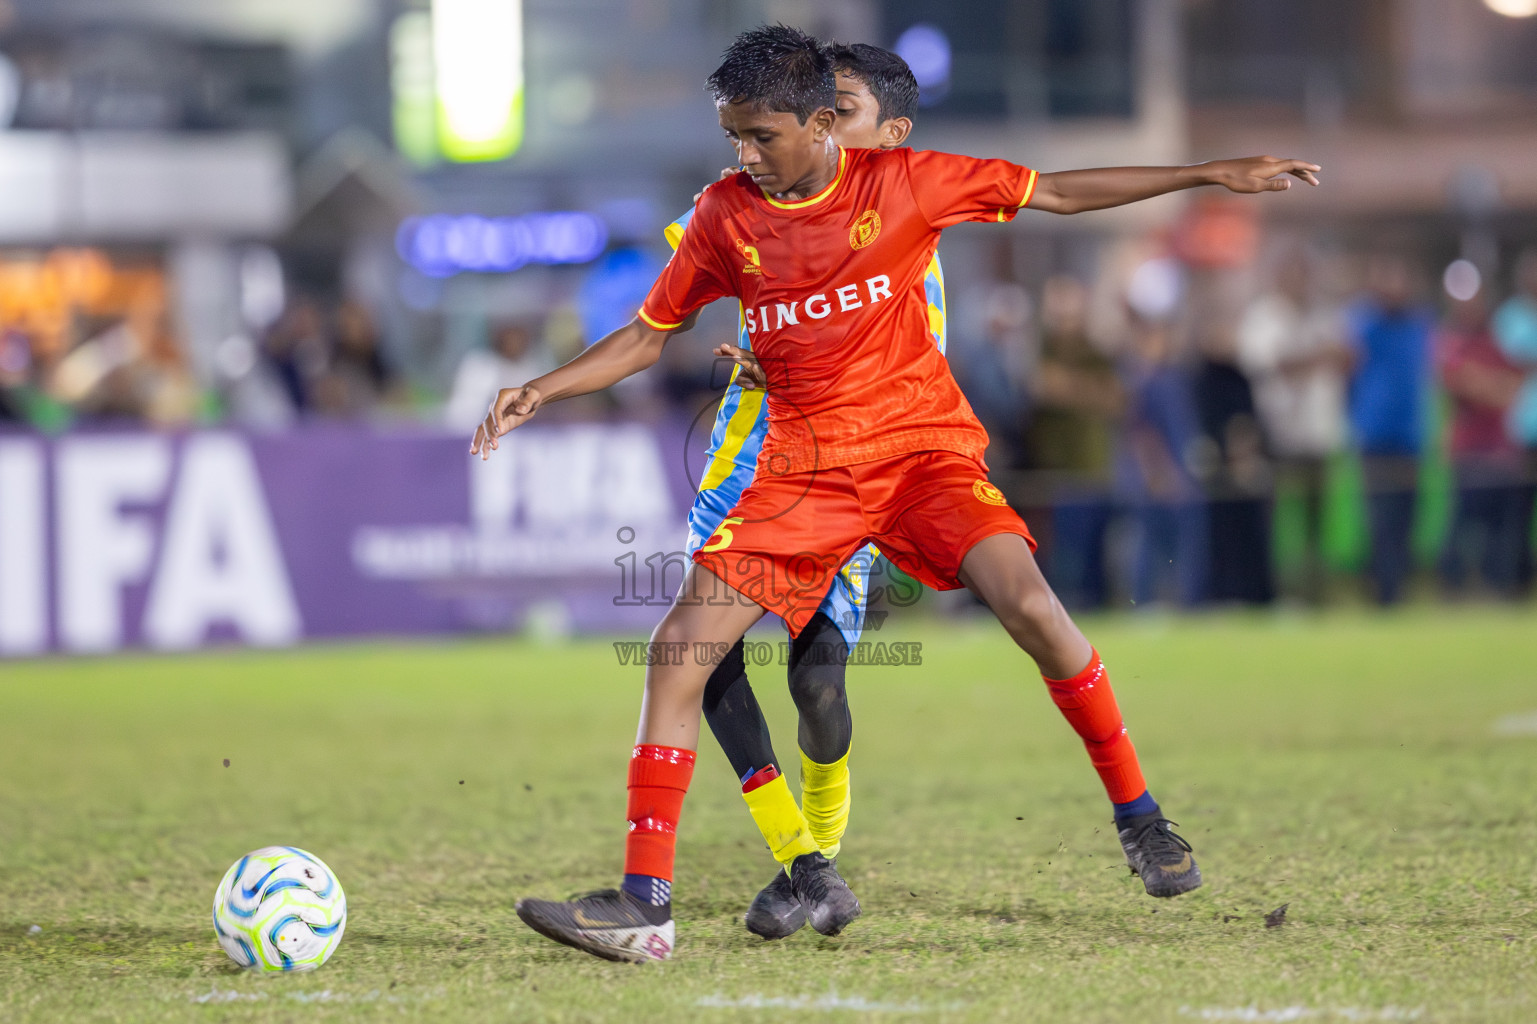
(249, 387)
(1515, 329)
(130, 368)
(326, 363)
(1077, 399)
(296, 349)
(1159, 434)
(356, 377)
(515, 358)
(1388, 394)
(357, 353)
(1231, 454)
(1491, 523)
(15, 378)
(1293, 349)
(991, 351)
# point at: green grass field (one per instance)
(1377, 774)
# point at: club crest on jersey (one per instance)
(988, 494)
(865, 229)
(749, 253)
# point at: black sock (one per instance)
(735, 718)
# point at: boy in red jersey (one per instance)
(869, 439)
(877, 98)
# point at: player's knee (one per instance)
(674, 632)
(1031, 613)
(816, 693)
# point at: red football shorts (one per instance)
(789, 535)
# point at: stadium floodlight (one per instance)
(413, 86)
(1513, 8)
(478, 63)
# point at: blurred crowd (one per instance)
(83, 337)
(1192, 426)
(86, 339)
(316, 360)
(1194, 433)
(1182, 427)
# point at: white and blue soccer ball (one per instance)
(279, 909)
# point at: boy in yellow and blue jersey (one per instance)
(876, 98)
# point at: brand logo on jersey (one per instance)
(988, 494)
(750, 253)
(865, 229)
(841, 299)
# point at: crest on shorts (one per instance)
(987, 493)
(865, 229)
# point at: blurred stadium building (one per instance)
(251, 251)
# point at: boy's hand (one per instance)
(510, 409)
(1260, 173)
(725, 172)
(751, 376)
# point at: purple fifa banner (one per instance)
(118, 539)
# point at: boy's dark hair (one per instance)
(886, 75)
(775, 68)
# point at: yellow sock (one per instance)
(780, 820)
(825, 795)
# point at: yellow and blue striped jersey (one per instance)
(741, 421)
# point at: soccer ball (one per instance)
(279, 909)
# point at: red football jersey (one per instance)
(832, 291)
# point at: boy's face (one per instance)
(775, 148)
(859, 124)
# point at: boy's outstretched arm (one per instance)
(1102, 187)
(629, 350)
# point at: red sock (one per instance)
(659, 776)
(1088, 704)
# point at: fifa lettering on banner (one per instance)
(185, 526)
(23, 549)
(535, 510)
(844, 298)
